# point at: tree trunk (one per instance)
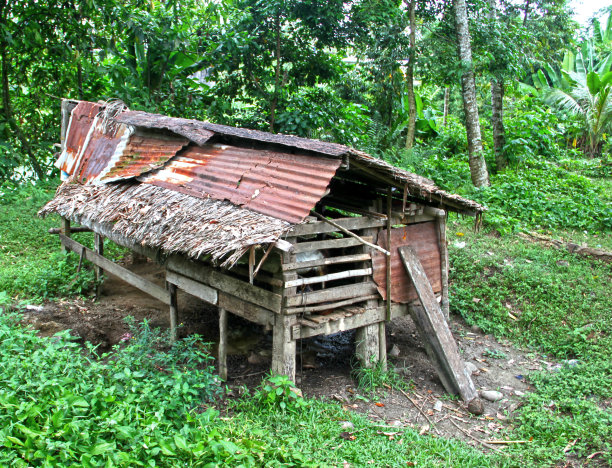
(478, 166)
(410, 79)
(497, 122)
(446, 102)
(8, 114)
(277, 74)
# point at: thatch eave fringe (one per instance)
(171, 221)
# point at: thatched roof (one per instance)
(160, 218)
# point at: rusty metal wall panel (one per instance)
(282, 185)
(423, 238)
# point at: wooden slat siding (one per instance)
(330, 306)
(327, 261)
(329, 244)
(246, 310)
(126, 275)
(368, 317)
(331, 294)
(321, 227)
(423, 237)
(329, 277)
(195, 288)
(434, 331)
(203, 273)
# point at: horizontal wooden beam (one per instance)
(199, 290)
(321, 227)
(203, 273)
(327, 261)
(122, 273)
(246, 310)
(368, 317)
(72, 229)
(330, 305)
(328, 277)
(329, 244)
(331, 294)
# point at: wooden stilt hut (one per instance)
(302, 236)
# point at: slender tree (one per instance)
(497, 108)
(478, 166)
(410, 76)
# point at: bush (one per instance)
(142, 402)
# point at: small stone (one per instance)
(34, 308)
(347, 425)
(394, 423)
(475, 406)
(437, 405)
(394, 351)
(563, 263)
(518, 393)
(491, 395)
(471, 367)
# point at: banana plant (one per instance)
(589, 97)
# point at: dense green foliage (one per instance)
(148, 404)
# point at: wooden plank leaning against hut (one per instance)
(300, 236)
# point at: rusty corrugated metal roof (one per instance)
(93, 154)
(200, 132)
(282, 185)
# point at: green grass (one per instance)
(554, 302)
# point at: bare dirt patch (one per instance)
(324, 364)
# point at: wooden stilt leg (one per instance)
(283, 348)
(99, 249)
(382, 345)
(65, 230)
(173, 311)
(222, 344)
(367, 344)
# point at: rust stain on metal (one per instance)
(283, 185)
(422, 237)
(81, 119)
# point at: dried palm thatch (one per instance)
(164, 219)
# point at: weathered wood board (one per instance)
(434, 331)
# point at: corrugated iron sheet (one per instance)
(80, 122)
(282, 185)
(200, 132)
(423, 238)
(91, 154)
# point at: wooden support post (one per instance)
(222, 344)
(283, 347)
(367, 345)
(173, 311)
(388, 258)
(382, 341)
(65, 230)
(441, 225)
(99, 249)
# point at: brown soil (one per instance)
(324, 367)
